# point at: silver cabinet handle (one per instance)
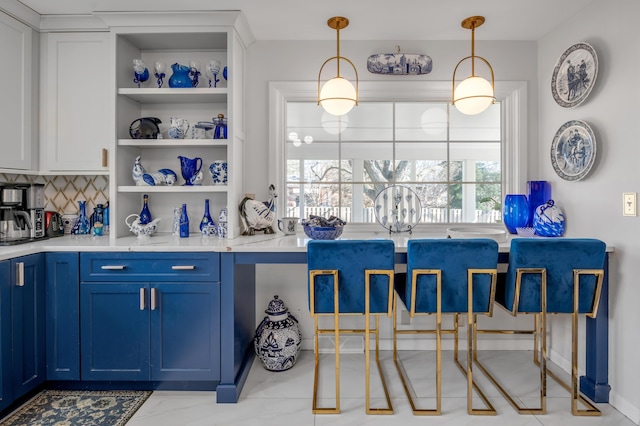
(154, 295)
(113, 267)
(183, 267)
(142, 299)
(20, 274)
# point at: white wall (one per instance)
(593, 206)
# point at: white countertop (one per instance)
(277, 242)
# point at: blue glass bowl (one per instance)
(322, 233)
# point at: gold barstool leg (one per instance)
(406, 383)
(542, 336)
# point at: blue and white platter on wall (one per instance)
(574, 75)
(399, 64)
(573, 150)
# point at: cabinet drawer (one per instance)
(149, 267)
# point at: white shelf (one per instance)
(175, 95)
(172, 143)
(173, 189)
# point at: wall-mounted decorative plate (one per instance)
(397, 208)
(574, 75)
(399, 64)
(573, 150)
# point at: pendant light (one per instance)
(338, 95)
(474, 94)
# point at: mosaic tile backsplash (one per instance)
(62, 193)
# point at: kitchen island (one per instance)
(237, 269)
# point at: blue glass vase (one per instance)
(515, 212)
(539, 194)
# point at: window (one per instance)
(457, 164)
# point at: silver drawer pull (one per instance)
(183, 267)
(113, 267)
(154, 301)
(20, 274)
(142, 304)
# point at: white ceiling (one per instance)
(369, 19)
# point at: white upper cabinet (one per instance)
(75, 102)
(16, 89)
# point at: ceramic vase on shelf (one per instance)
(82, 226)
(539, 194)
(548, 220)
(515, 212)
(278, 339)
(207, 225)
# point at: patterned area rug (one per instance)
(75, 408)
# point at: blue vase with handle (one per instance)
(515, 212)
(180, 76)
(190, 168)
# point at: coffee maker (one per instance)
(21, 213)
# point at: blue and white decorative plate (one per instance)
(574, 75)
(398, 208)
(573, 150)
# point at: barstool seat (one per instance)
(551, 276)
(449, 276)
(350, 277)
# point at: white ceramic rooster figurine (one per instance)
(258, 215)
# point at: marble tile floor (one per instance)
(285, 398)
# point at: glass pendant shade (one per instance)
(473, 95)
(338, 96)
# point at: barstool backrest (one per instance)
(559, 257)
(350, 258)
(453, 257)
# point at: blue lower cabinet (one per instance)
(185, 331)
(114, 331)
(6, 396)
(150, 331)
(28, 359)
(63, 316)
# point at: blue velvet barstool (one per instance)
(551, 276)
(350, 277)
(447, 276)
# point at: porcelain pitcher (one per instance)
(190, 168)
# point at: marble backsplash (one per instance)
(62, 193)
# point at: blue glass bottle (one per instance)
(145, 214)
(207, 220)
(515, 212)
(184, 222)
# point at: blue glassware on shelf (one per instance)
(184, 222)
(212, 70)
(220, 131)
(82, 226)
(145, 214)
(180, 76)
(539, 194)
(515, 212)
(225, 73)
(140, 72)
(159, 69)
(194, 72)
(190, 169)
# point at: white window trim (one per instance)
(512, 94)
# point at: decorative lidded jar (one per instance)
(278, 339)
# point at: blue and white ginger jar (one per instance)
(548, 220)
(278, 339)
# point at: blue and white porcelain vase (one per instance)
(278, 339)
(548, 220)
(82, 226)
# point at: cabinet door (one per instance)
(114, 331)
(28, 323)
(185, 327)
(63, 316)
(5, 335)
(75, 102)
(15, 86)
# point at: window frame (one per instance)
(512, 94)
